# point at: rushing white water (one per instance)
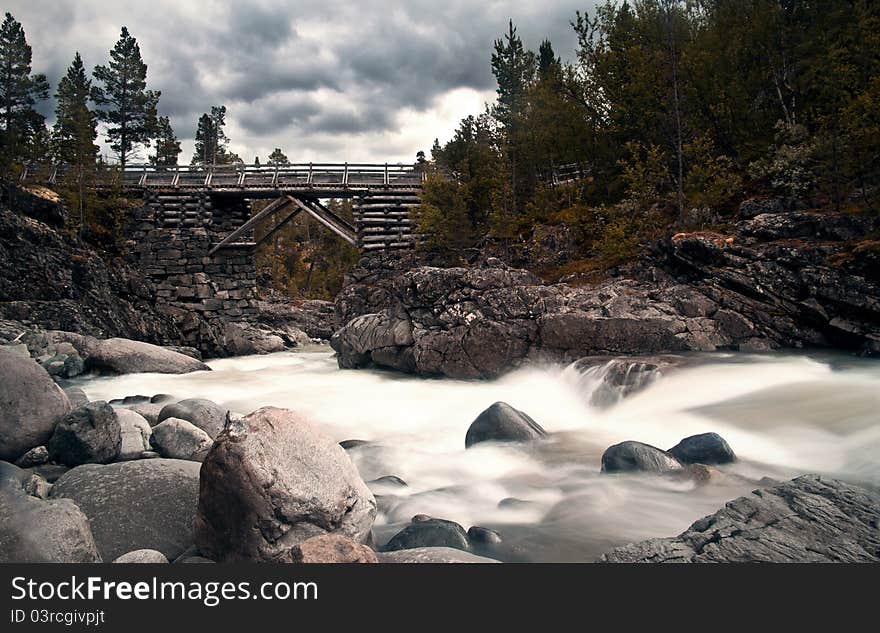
(783, 415)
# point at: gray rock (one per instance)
(432, 555)
(332, 548)
(179, 439)
(90, 434)
(502, 423)
(31, 404)
(808, 519)
(635, 456)
(273, 480)
(142, 556)
(135, 432)
(429, 533)
(388, 481)
(206, 415)
(141, 504)
(34, 457)
(76, 396)
(147, 410)
(477, 534)
(33, 530)
(124, 356)
(705, 448)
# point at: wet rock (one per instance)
(332, 548)
(49, 472)
(622, 377)
(76, 396)
(502, 423)
(483, 535)
(31, 404)
(392, 481)
(141, 504)
(90, 434)
(432, 555)
(34, 457)
(808, 519)
(142, 556)
(273, 480)
(429, 533)
(206, 415)
(632, 456)
(349, 444)
(135, 432)
(162, 398)
(124, 356)
(180, 439)
(147, 410)
(242, 339)
(705, 448)
(19, 481)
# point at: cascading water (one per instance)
(783, 415)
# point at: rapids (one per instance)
(783, 414)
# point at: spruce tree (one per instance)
(76, 127)
(19, 92)
(126, 104)
(211, 140)
(167, 144)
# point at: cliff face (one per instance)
(55, 281)
(777, 280)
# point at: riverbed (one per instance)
(783, 414)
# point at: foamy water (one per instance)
(783, 415)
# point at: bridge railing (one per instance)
(297, 175)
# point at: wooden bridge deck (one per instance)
(327, 180)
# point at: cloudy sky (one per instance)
(325, 80)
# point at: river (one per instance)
(783, 414)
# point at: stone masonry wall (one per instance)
(172, 237)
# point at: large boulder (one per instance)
(90, 434)
(808, 519)
(273, 480)
(432, 555)
(180, 439)
(124, 356)
(632, 456)
(502, 423)
(332, 548)
(135, 431)
(207, 415)
(429, 533)
(31, 404)
(705, 448)
(142, 504)
(33, 530)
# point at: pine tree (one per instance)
(76, 127)
(19, 92)
(514, 69)
(548, 63)
(128, 107)
(167, 144)
(211, 140)
(277, 157)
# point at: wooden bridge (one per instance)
(383, 194)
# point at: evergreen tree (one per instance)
(277, 157)
(514, 69)
(76, 127)
(211, 140)
(19, 92)
(126, 104)
(548, 63)
(167, 144)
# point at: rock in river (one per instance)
(332, 548)
(142, 556)
(808, 519)
(502, 423)
(433, 555)
(90, 434)
(273, 480)
(142, 504)
(635, 456)
(135, 433)
(430, 533)
(124, 356)
(31, 404)
(207, 415)
(180, 439)
(705, 448)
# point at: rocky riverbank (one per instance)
(778, 280)
(163, 479)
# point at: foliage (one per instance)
(167, 144)
(211, 142)
(123, 101)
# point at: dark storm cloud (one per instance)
(312, 72)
